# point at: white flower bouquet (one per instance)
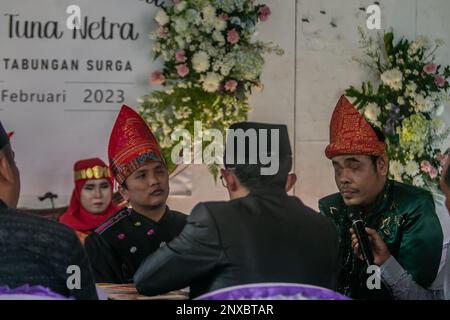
(211, 64)
(407, 105)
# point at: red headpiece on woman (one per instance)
(76, 216)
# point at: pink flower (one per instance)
(180, 56)
(231, 85)
(439, 81)
(233, 36)
(264, 13)
(433, 173)
(430, 68)
(182, 70)
(425, 166)
(157, 78)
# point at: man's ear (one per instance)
(6, 171)
(124, 193)
(383, 165)
(231, 181)
(290, 182)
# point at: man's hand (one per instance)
(380, 251)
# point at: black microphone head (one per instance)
(354, 213)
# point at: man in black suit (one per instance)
(261, 235)
(35, 251)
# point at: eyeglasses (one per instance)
(223, 182)
(222, 179)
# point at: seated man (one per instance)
(401, 283)
(404, 215)
(261, 235)
(118, 246)
(34, 251)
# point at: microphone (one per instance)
(354, 213)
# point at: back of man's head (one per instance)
(9, 174)
(259, 154)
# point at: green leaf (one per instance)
(388, 42)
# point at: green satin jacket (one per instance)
(405, 218)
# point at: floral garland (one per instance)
(407, 105)
(211, 65)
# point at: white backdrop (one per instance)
(300, 88)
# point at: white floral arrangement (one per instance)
(211, 64)
(407, 105)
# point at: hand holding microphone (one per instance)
(365, 248)
(367, 243)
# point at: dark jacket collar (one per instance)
(165, 216)
(268, 191)
(3, 205)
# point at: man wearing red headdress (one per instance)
(117, 247)
(403, 215)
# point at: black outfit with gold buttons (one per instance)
(117, 247)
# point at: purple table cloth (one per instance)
(273, 291)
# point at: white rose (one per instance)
(438, 126)
(400, 101)
(181, 25)
(413, 47)
(392, 78)
(162, 18)
(180, 6)
(200, 61)
(219, 24)
(225, 70)
(209, 14)
(411, 168)
(418, 181)
(218, 36)
(422, 104)
(180, 42)
(372, 111)
(211, 82)
(440, 110)
(396, 169)
(422, 41)
(411, 87)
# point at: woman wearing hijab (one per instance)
(91, 202)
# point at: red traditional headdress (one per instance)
(350, 133)
(131, 144)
